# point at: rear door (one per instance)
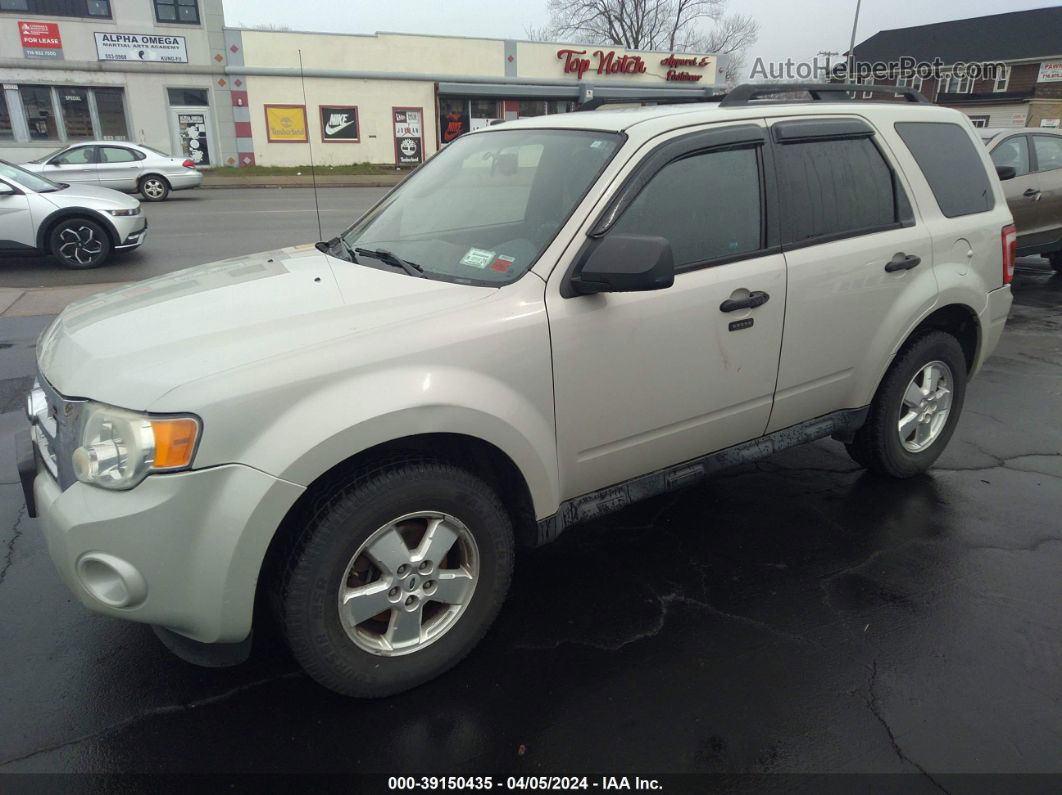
(1047, 157)
(1023, 192)
(76, 165)
(859, 266)
(119, 167)
(646, 380)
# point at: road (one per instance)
(199, 226)
(794, 616)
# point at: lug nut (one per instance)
(429, 585)
(425, 567)
(402, 569)
(393, 592)
(412, 600)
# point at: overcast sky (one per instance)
(788, 28)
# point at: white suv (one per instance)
(550, 319)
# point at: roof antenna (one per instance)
(309, 142)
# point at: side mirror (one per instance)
(625, 264)
(1006, 172)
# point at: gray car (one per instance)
(132, 168)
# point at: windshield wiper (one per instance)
(382, 254)
(336, 247)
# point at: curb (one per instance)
(306, 181)
(32, 301)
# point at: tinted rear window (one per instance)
(951, 164)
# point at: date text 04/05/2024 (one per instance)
(519, 783)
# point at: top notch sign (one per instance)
(603, 62)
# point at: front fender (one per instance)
(75, 212)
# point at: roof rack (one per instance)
(747, 92)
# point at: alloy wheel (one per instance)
(154, 188)
(925, 407)
(409, 583)
(79, 244)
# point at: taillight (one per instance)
(188, 164)
(1010, 252)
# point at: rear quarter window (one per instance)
(951, 164)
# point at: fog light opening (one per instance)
(111, 580)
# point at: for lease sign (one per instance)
(141, 47)
(40, 39)
(1050, 72)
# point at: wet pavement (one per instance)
(794, 616)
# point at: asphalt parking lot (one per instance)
(197, 226)
(794, 616)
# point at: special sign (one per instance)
(609, 62)
(141, 47)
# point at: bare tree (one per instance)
(675, 25)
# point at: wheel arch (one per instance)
(149, 175)
(44, 229)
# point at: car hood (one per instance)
(91, 196)
(131, 346)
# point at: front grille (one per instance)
(54, 422)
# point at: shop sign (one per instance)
(409, 135)
(286, 124)
(141, 47)
(603, 63)
(339, 124)
(1050, 72)
(1049, 123)
(40, 39)
(674, 65)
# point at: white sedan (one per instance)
(79, 224)
(132, 168)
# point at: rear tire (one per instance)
(905, 432)
(154, 188)
(368, 604)
(79, 243)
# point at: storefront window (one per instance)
(76, 116)
(5, 118)
(485, 109)
(453, 118)
(531, 107)
(110, 110)
(561, 106)
(188, 96)
(40, 116)
(59, 8)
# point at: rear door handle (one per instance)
(902, 262)
(754, 299)
(1032, 193)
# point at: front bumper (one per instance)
(131, 231)
(992, 320)
(181, 551)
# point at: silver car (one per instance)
(132, 168)
(80, 224)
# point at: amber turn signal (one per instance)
(174, 442)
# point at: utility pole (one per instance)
(851, 45)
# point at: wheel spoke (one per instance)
(404, 627)
(943, 400)
(366, 601)
(438, 539)
(913, 396)
(389, 551)
(930, 376)
(922, 433)
(452, 587)
(908, 423)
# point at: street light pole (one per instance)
(851, 44)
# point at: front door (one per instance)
(1047, 153)
(646, 380)
(119, 167)
(193, 135)
(1023, 192)
(16, 223)
(76, 165)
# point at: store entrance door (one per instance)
(193, 135)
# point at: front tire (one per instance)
(395, 577)
(915, 409)
(154, 188)
(79, 243)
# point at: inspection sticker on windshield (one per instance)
(477, 258)
(502, 263)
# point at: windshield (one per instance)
(484, 209)
(33, 182)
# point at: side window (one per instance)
(707, 205)
(835, 188)
(952, 166)
(117, 154)
(80, 156)
(1013, 152)
(1048, 152)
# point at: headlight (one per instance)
(134, 211)
(120, 448)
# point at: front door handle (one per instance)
(902, 262)
(1032, 193)
(754, 299)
